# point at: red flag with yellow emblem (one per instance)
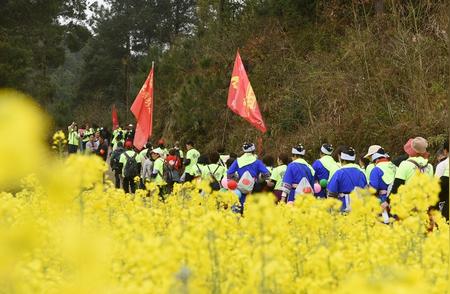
(242, 99)
(142, 109)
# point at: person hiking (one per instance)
(368, 169)
(190, 162)
(381, 177)
(215, 171)
(276, 178)
(442, 173)
(73, 138)
(200, 167)
(130, 168)
(346, 178)
(103, 148)
(296, 171)
(116, 166)
(417, 161)
(178, 150)
(143, 154)
(173, 159)
(162, 146)
(158, 166)
(91, 145)
(146, 168)
(324, 168)
(252, 168)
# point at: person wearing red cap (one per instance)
(161, 145)
(130, 167)
(417, 161)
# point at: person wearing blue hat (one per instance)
(346, 179)
(295, 172)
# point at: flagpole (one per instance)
(225, 128)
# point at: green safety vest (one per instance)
(277, 176)
(159, 168)
(407, 169)
(389, 170)
(368, 170)
(329, 163)
(246, 159)
(193, 156)
(217, 171)
(73, 138)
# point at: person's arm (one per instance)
(316, 166)
(70, 128)
(155, 170)
(396, 185)
(400, 177)
(263, 171)
(232, 170)
(286, 185)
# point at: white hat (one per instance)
(348, 154)
(326, 149)
(372, 149)
(248, 147)
(158, 151)
(298, 150)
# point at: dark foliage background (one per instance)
(341, 71)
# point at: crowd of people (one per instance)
(335, 174)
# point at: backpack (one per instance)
(246, 183)
(170, 173)
(114, 160)
(422, 168)
(131, 168)
(215, 185)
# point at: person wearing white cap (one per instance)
(295, 172)
(371, 165)
(382, 175)
(346, 179)
(324, 168)
(417, 161)
(158, 166)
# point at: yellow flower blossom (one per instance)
(64, 229)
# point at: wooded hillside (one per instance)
(346, 72)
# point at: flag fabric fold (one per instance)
(241, 97)
(142, 110)
(115, 118)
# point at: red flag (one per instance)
(115, 118)
(142, 109)
(242, 99)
